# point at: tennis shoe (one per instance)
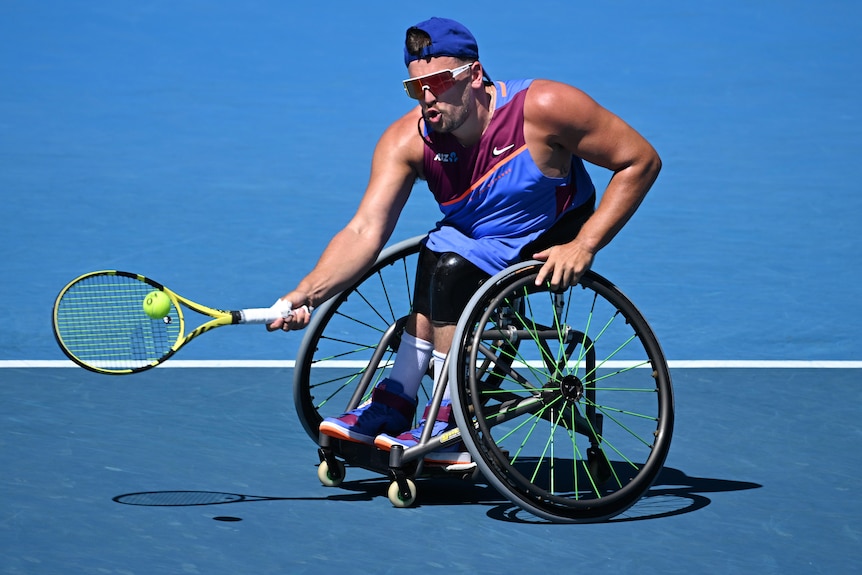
(444, 423)
(389, 411)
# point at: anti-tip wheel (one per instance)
(331, 479)
(395, 494)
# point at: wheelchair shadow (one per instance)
(674, 493)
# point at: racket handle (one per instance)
(281, 308)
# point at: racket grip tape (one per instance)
(280, 309)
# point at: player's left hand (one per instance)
(564, 265)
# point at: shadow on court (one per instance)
(674, 493)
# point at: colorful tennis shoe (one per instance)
(390, 411)
(444, 425)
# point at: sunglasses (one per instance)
(436, 82)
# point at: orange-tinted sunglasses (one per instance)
(436, 82)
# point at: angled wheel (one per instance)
(580, 423)
(352, 339)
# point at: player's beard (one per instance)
(455, 116)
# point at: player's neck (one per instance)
(471, 131)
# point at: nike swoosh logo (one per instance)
(497, 151)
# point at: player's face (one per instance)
(447, 110)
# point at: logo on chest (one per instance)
(449, 158)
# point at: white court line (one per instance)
(289, 363)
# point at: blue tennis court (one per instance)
(217, 147)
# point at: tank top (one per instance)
(493, 197)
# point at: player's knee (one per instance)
(453, 283)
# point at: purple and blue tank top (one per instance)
(494, 198)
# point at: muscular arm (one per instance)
(353, 249)
(564, 119)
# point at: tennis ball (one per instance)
(157, 304)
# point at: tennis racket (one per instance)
(100, 322)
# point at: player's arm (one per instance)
(352, 250)
(570, 120)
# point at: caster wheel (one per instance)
(396, 498)
(328, 478)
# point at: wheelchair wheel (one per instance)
(579, 425)
(352, 339)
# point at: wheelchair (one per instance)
(563, 399)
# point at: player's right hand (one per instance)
(300, 315)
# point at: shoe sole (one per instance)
(385, 442)
(338, 432)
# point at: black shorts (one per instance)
(444, 284)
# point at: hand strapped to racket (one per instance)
(101, 324)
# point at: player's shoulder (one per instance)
(550, 100)
(549, 93)
(403, 127)
(401, 141)
(404, 132)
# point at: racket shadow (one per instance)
(361, 490)
(185, 498)
(188, 498)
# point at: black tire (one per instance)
(580, 425)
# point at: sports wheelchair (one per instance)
(563, 399)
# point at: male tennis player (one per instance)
(504, 161)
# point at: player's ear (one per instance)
(477, 74)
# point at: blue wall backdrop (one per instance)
(216, 146)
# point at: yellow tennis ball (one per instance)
(157, 304)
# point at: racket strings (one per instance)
(101, 321)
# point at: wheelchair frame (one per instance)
(563, 400)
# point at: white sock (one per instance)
(439, 358)
(411, 363)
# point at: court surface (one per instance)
(217, 146)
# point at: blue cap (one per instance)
(448, 38)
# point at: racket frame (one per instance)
(219, 318)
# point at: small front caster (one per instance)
(331, 476)
(402, 497)
(331, 470)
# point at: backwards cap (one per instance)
(448, 38)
